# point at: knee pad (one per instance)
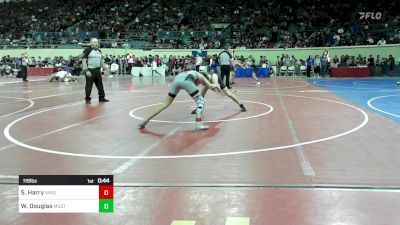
(200, 104)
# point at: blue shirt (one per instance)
(214, 66)
(310, 62)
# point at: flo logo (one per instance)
(370, 15)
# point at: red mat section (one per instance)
(292, 135)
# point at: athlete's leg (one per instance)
(165, 104)
(234, 98)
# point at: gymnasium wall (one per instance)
(271, 54)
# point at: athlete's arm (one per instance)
(208, 84)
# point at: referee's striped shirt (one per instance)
(225, 58)
(93, 57)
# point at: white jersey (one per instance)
(199, 60)
(317, 62)
(154, 65)
(249, 62)
(130, 59)
(237, 62)
(61, 74)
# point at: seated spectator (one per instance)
(370, 40)
(381, 42)
(5, 70)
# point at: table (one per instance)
(350, 72)
(146, 71)
(40, 71)
(247, 72)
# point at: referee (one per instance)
(24, 66)
(92, 61)
(225, 61)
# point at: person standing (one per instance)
(225, 61)
(130, 60)
(324, 65)
(391, 63)
(382, 42)
(154, 67)
(309, 64)
(92, 62)
(165, 64)
(317, 66)
(371, 65)
(172, 65)
(378, 65)
(24, 66)
(199, 61)
(325, 62)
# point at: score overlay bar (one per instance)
(66, 194)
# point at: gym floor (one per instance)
(307, 151)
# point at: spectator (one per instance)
(324, 65)
(391, 63)
(382, 42)
(335, 62)
(5, 70)
(370, 40)
(154, 67)
(317, 66)
(371, 65)
(199, 61)
(336, 40)
(309, 64)
(384, 66)
(359, 61)
(378, 65)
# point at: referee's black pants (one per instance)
(226, 72)
(97, 80)
(24, 72)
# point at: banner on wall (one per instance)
(203, 54)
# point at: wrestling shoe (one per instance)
(200, 126)
(143, 124)
(243, 109)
